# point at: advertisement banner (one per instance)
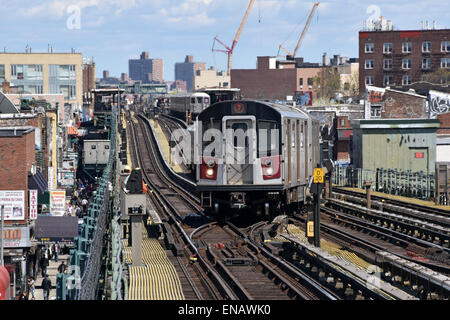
(57, 203)
(33, 197)
(14, 202)
(16, 237)
(51, 180)
(66, 178)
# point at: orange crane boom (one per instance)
(229, 50)
(305, 29)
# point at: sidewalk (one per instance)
(52, 271)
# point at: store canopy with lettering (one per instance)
(56, 229)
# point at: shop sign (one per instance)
(14, 204)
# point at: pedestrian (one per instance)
(69, 210)
(52, 255)
(56, 253)
(31, 287)
(46, 287)
(62, 267)
(84, 203)
(23, 296)
(45, 262)
(77, 211)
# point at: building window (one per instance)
(445, 46)
(387, 47)
(426, 63)
(369, 48)
(445, 63)
(375, 112)
(369, 81)
(369, 64)
(346, 86)
(301, 81)
(66, 72)
(406, 80)
(388, 80)
(387, 64)
(27, 72)
(406, 47)
(342, 122)
(426, 46)
(310, 81)
(34, 89)
(406, 64)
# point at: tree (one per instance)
(440, 76)
(328, 81)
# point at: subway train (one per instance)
(188, 105)
(256, 156)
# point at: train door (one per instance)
(240, 149)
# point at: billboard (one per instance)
(303, 98)
(57, 203)
(66, 178)
(14, 202)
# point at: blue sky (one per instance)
(112, 31)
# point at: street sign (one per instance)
(318, 175)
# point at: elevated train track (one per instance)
(217, 249)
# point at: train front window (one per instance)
(206, 100)
(239, 128)
(211, 142)
(192, 100)
(199, 100)
(268, 138)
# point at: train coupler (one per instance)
(237, 200)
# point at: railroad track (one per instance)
(199, 280)
(206, 281)
(421, 237)
(434, 213)
(373, 246)
(209, 270)
(251, 274)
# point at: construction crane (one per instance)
(229, 50)
(291, 56)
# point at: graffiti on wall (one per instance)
(439, 102)
(303, 98)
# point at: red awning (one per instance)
(4, 283)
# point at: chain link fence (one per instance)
(418, 185)
(88, 252)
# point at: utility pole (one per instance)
(2, 263)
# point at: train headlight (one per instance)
(269, 171)
(268, 163)
(210, 172)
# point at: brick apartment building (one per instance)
(145, 69)
(395, 57)
(17, 155)
(185, 71)
(275, 80)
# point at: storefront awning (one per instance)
(38, 182)
(56, 229)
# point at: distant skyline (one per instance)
(113, 31)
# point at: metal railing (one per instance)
(86, 257)
(418, 185)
